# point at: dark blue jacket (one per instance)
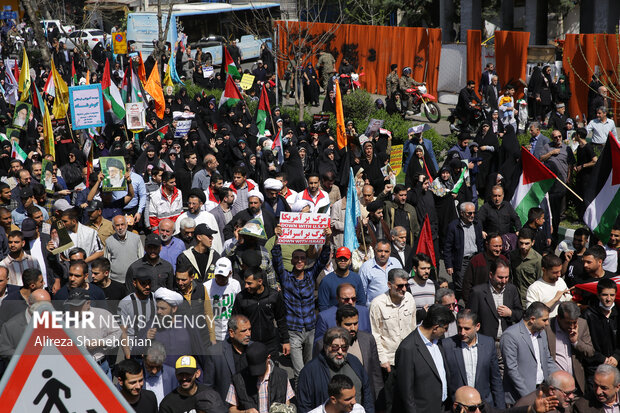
(169, 378)
(327, 320)
(488, 379)
(314, 378)
(455, 243)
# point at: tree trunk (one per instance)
(299, 94)
(32, 10)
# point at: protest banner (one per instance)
(396, 158)
(135, 116)
(320, 122)
(303, 228)
(373, 127)
(86, 106)
(207, 72)
(183, 126)
(247, 81)
(47, 177)
(113, 169)
(22, 115)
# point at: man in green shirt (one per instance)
(525, 262)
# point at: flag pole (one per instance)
(567, 187)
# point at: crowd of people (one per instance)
(271, 327)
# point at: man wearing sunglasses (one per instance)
(559, 384)
(347, 295)
(467, 400)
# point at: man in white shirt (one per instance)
(82, 236)
(600, 127)
(314, 194)
(392, 317)
(195, 201)
(222, 291)
(341, 397)
(551, 288)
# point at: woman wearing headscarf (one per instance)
(509, 159)
(72, 170)
(444, 198)
(147, 158)
(326, 162)
(311, 85)
(420, 163)
(294, 169)
(488, 151)
(372, 164)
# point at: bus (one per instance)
(204, 20)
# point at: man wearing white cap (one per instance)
(222, 290)
(274, 202)
(255, 210)
(168, 328)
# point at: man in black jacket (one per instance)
(255, 209)
(226, 358)
(498, 215)
(185, 174)
(262, 306)
(466, 103)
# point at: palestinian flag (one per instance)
(74, 78)
(231, 95)
(136, 94)
(231, 67)
(112, 101)
(263, 110)
(535, 181)
(602, 196)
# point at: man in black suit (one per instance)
(227, 357)
(400, 249)
(362, 345)
(486, 78)
(421, 370)
(494, 318)
(37, 246)
(461, 351)
(491, 93)
(255, 210)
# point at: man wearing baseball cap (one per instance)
(272, 381)
(185, 397)
(161, 272)
(222, 290)
(202, 257)
(341, 274)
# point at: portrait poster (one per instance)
(135, 116)
(22, 115)
(47, 177)
(60, 236)
(113, 169)
(86, 105)
(13, 135)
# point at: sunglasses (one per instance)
(472, 408)
(335, 347)
(400, 286)
(349, 299)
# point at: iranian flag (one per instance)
(112, 101)
(261, 113)
(231, 95)
(535, 181)
(49, 86)
(17, 152)
(231, 67)
(602, 196)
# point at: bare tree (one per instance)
(34, 14)
(373, 12)
(162, 31)
(304, 41)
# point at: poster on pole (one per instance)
(21, 115)
(303, 228)
(396, 158)
(135, 116)
(86, 106)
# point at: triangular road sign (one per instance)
(50, 373)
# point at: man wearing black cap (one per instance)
(195, 202)
(190, 393)
(97, 222)
(260, 384)
(26, 198)
(160, 271)
(185, 173)
(82, 236)
(202, 257)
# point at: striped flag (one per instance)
(17, 152)
(602, 196)
(352, 214)
(263, 110)
(112, 101)
(229, 63)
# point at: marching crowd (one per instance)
(372, 328)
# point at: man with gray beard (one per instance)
(312, 385)
(122, 249)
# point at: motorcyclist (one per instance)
(466, 105)
(407, 82)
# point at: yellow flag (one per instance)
(153, 88)
(48, 131)
(61, 101)
(167, 78)
(24, 79)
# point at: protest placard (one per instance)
(86, 106)
(247, 81)
(207, 71)
(21, 115)
(47, 177)
(320, 122)
(135, 116)
(373, 127)
(60, 236)
(113, 169)
(183, 126)
(303, 228)
(396, 158)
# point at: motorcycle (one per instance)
(351, 81)
(423, 100)
(482, 112)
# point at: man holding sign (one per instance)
(298, 291)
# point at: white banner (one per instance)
(303, 228)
